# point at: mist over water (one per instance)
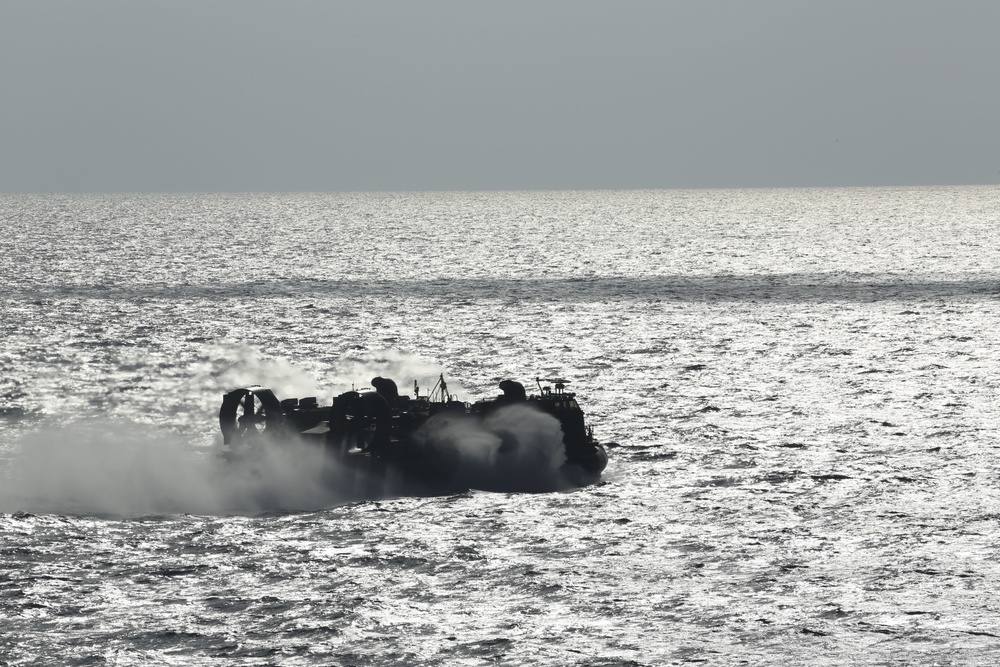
(800, 386)
(516, 448)
(115, 469)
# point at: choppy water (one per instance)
(801, 386)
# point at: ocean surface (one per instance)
(799, 391)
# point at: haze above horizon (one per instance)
(248, 95)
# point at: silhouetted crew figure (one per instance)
(387, 389)
(513, 392)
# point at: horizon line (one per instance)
(495, 190)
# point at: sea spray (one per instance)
(517, 448)
(402, 367)
(127, 468)
(226, 365)
(124, 470)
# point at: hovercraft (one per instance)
(380, 429)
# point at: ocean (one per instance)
(798, 390)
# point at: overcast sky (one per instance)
(295, 95)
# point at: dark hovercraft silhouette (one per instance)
(382, 432)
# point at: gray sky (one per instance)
(240, 95)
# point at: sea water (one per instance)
(798, 390)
